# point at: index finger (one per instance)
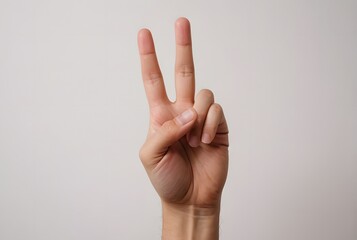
(151, 73)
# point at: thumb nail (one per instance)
(185, 117)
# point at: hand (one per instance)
(186, 150)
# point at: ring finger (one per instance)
(203, 101)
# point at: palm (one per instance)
(200, 170)
(182, 173)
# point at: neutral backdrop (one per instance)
(73, 115)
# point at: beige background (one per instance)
(73, 115)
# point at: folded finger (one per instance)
(203, 102)
(214, 120)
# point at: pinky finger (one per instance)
(213, 119)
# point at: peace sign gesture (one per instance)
(186, 150)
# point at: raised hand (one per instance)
(186, 150)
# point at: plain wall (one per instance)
(73, 115)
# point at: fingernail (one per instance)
(185, 117)
(206, 138)
(194, 141)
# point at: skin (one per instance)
(186, 150)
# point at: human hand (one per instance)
(186, 150)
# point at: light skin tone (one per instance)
(186, 151)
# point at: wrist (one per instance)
(186, 222)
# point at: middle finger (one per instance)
(184, 67)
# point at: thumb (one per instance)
(169, 133)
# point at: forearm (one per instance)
(182, 222)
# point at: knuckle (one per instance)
(153, 77)
(206, 94)
(185, 71)
(216, 108)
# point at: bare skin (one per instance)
(186, 150)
